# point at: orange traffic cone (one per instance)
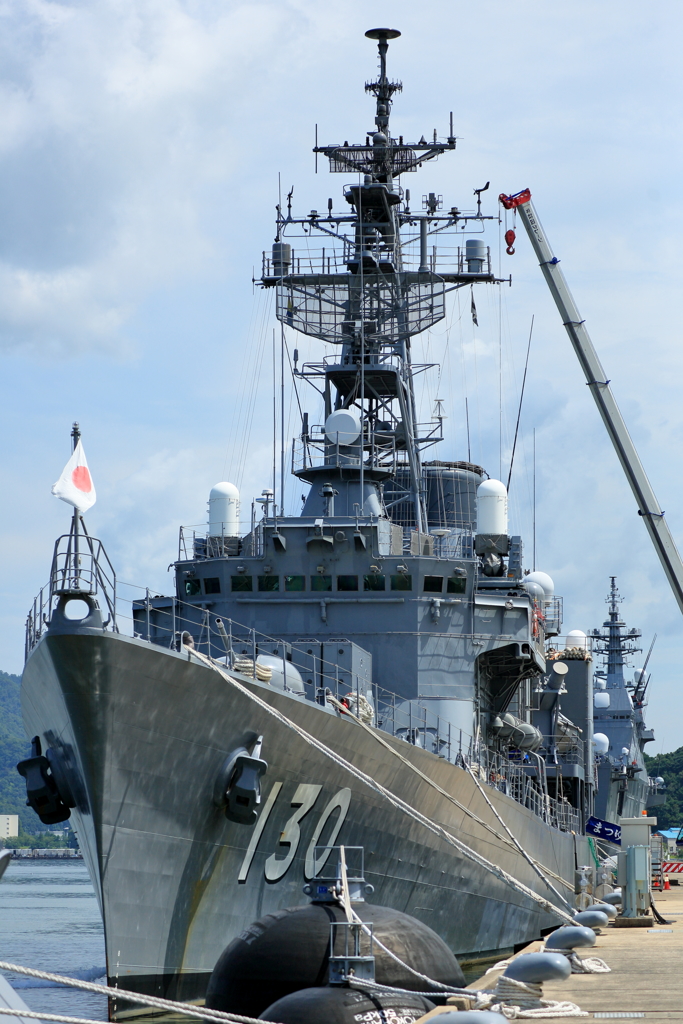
(667, 884)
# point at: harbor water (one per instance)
(49, 920)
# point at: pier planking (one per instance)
(646, 976)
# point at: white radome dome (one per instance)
(224, 510)
(543, 580)
(342, 427)
(577, 638)
(534, 589)
(600, 743)
(492, 508)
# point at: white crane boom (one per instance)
(648, 506)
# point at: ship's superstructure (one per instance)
(623, 785)
(388, 632)
(409, 561)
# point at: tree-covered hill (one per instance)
(670, 767)
(13, 747)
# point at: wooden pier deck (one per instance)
(646, 980)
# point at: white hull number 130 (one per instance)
(303, 800)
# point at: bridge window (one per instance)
(433, 584)
(212, 585)
(347, 583)
(268, 583)
(456, 584)
(402, 581)
(321, 583)
(295, 583)
(192, 587)
(242, 584)
(374, 581)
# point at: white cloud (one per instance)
(140, 143)
(117, 128)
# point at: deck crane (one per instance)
(648, 506)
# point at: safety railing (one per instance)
(326, 260)
(176, 624)
(37, 619)
(570, 648)
(80, 566)
(553, 616)
(331, 260)
(315, 450)
(520, 775)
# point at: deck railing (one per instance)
(171, 622)
(80, 567)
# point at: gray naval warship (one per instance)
(623, 786)
(373, 672)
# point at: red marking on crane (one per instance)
(510, 202)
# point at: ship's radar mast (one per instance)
(612, 642)
(366, 280)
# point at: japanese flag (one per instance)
(75, 485)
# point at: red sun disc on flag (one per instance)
(81, 479)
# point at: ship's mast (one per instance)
(611, 642)
(355, 281)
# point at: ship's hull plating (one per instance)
(145, 732)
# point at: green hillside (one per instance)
(670, 767)
(13, 747)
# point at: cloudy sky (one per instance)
(140, 147)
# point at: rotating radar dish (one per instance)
(383, 33)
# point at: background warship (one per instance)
(372, 671)
(623, 787)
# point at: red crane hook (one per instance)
(509, 240)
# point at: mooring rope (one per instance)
(533, 863)
(581, 965)
(512, 842)
(187, 1009)
(47, 1016)
(522, 1000)
(396, 801)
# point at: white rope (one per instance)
(345, 902)
(519, 1000)
(47, 1016)
(187, 1009)
(399, 804)
(512, 842)
(533, 863)
(585, 965)
(363, 983)
(439, 986)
